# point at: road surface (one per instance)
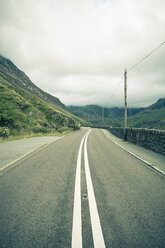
(94, 195)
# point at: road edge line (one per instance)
(155, 168)
(9, 165)
(22, 157)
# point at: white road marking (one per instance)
(144, 161)
(11, 164)
(77, 223)
(20, 158)
(95, 220)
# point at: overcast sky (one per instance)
(77, 50)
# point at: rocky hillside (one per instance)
(12, 76)
(24, 108)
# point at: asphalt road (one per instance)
(37, 197)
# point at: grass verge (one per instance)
(33, 135)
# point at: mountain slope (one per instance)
(28, 114)
(94, 114)
(12, 76)
(158, 105)
(150, 117)
(24, 108)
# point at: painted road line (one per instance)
(139, 158)
(11, 164)
(98, 238)
(20, 158)
(158, 170)
(77, 222)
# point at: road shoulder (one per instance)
(152, 159)
(14, 151)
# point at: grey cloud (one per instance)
(78, 49)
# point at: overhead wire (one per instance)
(110, 99)
(131, 68)
(146, 56)
(114, 92)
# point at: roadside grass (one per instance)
(33, 135)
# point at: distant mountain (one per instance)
(25, 108)
(94, 114)
(158, 105)
(150, 117)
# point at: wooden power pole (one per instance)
(102, 116)
(125, 101)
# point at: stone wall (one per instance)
(151, 139)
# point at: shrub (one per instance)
(62, 129)
(4, 131)
(41, 130)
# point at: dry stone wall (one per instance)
(151, 139)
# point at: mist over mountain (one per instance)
(149, 117)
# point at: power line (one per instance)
(112, 95)
(114, 92)
(146, 56)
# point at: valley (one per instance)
(152, 117)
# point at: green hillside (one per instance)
(151, 117)
(25, 109)
(11, 75)
(94, 114)
(28, 114)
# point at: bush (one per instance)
(41, 130)
(62, 129)
(4, 131)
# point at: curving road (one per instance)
(120, 202)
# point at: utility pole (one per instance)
(125, 101)
(102, 116)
